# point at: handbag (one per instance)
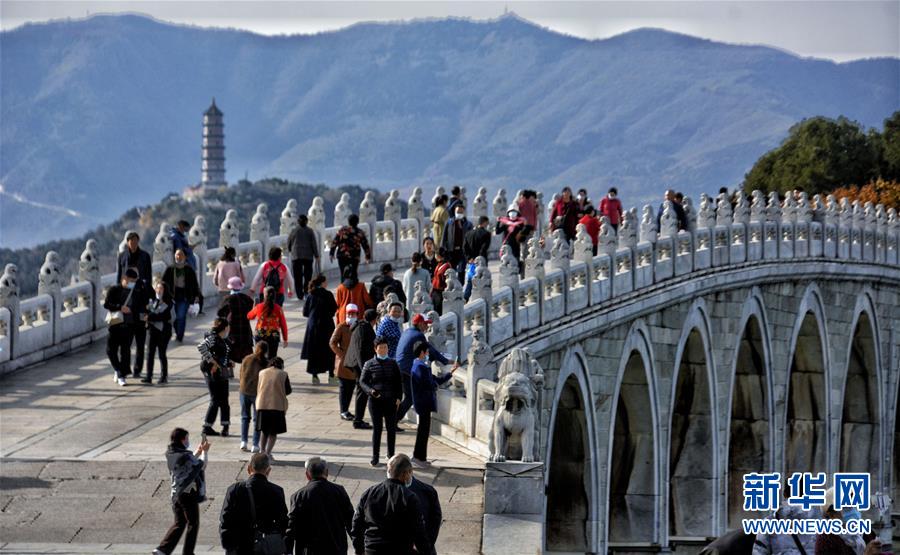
(115, 317)
(271, 543)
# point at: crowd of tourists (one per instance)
(368, 340)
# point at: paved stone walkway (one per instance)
(81, 459)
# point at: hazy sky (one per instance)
(840, 30)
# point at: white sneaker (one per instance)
(418, 464)
(255, 449)
(121, 381)
(243, 446)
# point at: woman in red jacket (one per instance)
(611, 207)
(565, 214)
(591, 226)
(271, 325)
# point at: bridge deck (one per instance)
(82, 467)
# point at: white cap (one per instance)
(352, 308)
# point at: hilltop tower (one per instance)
(213, 153)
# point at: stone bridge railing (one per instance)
(560, 279)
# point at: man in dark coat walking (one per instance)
(321, 514)
(388, 520)
(138, 259)
(235, 522)
(304, 248)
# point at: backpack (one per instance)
(272, 278)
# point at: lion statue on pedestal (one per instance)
(516, 400)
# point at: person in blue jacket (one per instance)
(405, 358)
(424, 387)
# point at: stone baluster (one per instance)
(342, 211)
(454, 303)
(607, 241)
(741, 214)
(628, 229)
(831, 211)
(9, 298)
(415, 210)
(368, 214)
(804, 210)
(706, 215)
(773, 207)
(649, 232)
(198, 242)
(880, 218)
(316, 215)
(758, 207)
(50, 283)
(479, 205)
(509, 277)
(499, 205)
(788, 210)
(534, 261)
(289, 218)
(818, 209)
(559, 252)
(482, 288)
(869, 219)
(724, 213)
(259, 230)
(583, 246)
(436, 335)
(479, 366)
(668, 221)
(229, 231)
(420, 300)
(89, 271)
(392, 207)
(162, 246)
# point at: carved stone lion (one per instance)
(515, 408)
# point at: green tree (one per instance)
(818, 155)
(890, 148)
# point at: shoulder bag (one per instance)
(263, 543)
(115, 317)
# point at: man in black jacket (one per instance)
(121, 298)
(381, 381)
(321, 514)
(235, 522)
(430, 506)
(360, 350)
(382, 282)
(478, 240)
(388, 520)
(304, 248)
(139, 260)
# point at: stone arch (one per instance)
(692, 458)
(633, 504)
(807, 401)
(860, 431)
(750, 437)
(570, 507)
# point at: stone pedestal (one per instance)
(513, 507)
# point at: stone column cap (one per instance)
(512, 468)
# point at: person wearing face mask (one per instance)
(216, 369)
(565, 214)
(381, 381)
(454, 238)
(405, 357)
(120, 300)
(181, 280)
(611, 207)
(188, 490)
(390, 327)
(424, 394)
(583, 202)
(428, 258)
(388, 519)
(159, 323)
(383, 281)
(340, 344)
(139, 260)
(360, 350)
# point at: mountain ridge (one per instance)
(105, 113)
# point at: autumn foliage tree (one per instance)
(824, 155)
